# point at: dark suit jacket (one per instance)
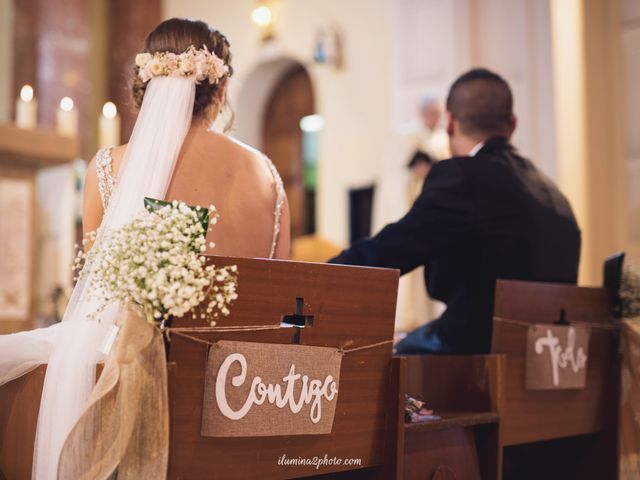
(478, 219)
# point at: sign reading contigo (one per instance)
(263, 389)
(557, 357)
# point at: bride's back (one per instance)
(214, 169)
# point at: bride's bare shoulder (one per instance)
(235, 143)
(240, 147)
(250, 157)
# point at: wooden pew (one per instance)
(559, 433)
(489, 419)
(351, 307)
(19, 404)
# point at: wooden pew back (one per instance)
(531, 416)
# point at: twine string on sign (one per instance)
(522, 323)
(251, 328)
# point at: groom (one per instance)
(485, 214)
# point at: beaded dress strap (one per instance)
(280, 197)
(104, 169)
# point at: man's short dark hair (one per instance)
(482, 103)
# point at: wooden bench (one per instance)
(562, 434)
(559, 433)
(351, 307)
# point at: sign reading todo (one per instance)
(557, 357)
(263, 389)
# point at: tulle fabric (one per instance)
(73, 347)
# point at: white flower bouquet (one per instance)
(155, 261)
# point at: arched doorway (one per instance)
(283, 140)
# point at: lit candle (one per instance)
(26, 109)
(67, 118)
(109, 128)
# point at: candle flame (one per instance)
(26, 93)
(262, 16)
(109, 110)
(66, 104)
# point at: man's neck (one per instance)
(467, 146)
(477, 147)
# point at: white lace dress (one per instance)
(106, 184)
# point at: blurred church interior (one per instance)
(330, 90)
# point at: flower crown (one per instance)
(196, 64)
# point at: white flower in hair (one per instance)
(156, 67)
(196, 64)
(187, 65)
(143, 58)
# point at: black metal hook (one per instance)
(562, 320)
(297, 320)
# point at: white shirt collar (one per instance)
(476, 149)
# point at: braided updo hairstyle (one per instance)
(176, 35)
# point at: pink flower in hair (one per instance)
(171, 62)
(201, 65)
(187, 65)
(145, 74)
(156, 67)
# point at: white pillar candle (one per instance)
(67, 118)
(109, 127)
(26, 109)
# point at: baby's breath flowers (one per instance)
(155, 261)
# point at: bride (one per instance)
(211, 168)
(174, 153)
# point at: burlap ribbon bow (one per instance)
(126, 425)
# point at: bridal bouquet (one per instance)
(155, 261)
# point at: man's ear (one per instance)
(450, 124)
(514, 123)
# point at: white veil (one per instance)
(73, 347)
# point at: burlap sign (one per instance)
(557, 357)
(263, 389)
